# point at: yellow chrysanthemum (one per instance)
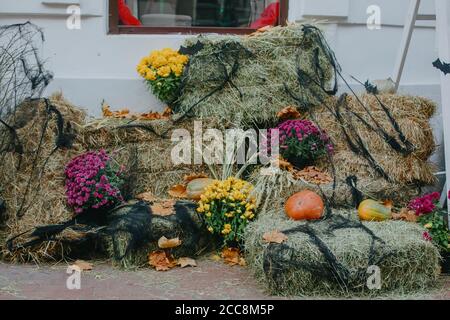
(159, 61)
(150, 75)
(164, 71)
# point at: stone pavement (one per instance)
(210, 280)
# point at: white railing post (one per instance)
(443, 39)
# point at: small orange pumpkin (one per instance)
(304, 205)
(197, 187)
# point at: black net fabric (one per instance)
(23, 79)
(279, 259)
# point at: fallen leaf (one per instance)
(178, 191)
(187, 262)
(125, 113)
(163, 208)
(388, 203)
(406, 215)
(167, 112)
(260, 30)
(106, 110)
(161, 260)
(149, 116)
(312, 175)
(147, 196)
(193, 176)
(83, 265)
(232, 257)
(274, 237)
(288, 113)
(281, 163)
(165, 243)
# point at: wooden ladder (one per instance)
(442, 18)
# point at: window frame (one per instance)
(116, 28)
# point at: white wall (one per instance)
(89, 65)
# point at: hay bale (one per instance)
(40, 200)
(298, 267)
(150, 141)
(413, 116)
(266, 64)
(273, 191)
(185, 223)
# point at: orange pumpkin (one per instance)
(197, 187)
(304, 205)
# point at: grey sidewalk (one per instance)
(210, 280)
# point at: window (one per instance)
(194, 16)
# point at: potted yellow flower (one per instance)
(162, 71)
(228, 207)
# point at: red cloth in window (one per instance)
(269, 17)
(125, 15)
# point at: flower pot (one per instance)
(445, 263)
(300, 163)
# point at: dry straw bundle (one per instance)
(34, 190)
(146, 147)
(259, 69)
(413, 117)
(299, 268)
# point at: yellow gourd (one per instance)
(370, 210)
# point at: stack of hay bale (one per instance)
(266, 80)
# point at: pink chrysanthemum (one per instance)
(92, 182)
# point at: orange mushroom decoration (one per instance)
(304, 205)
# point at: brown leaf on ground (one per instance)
(288, 113)
(161, 260)
(178, 191)
(232, 257)
(187, 262)
(312, 175)
(147, 196)
(405, 215)
(193, 176)
(163, 208)
(165, 243)
(83, 265)
(274, 237)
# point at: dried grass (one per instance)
(412, 264)
(45, 203)
(412, 114)
(273, 191)
(261, 79)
